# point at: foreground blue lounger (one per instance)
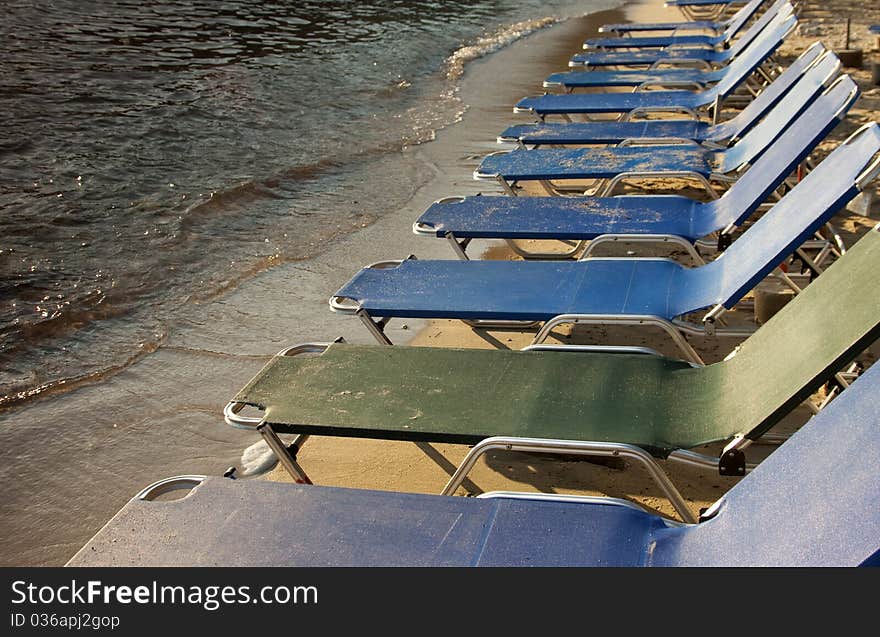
(691, 161)
(723, 133)
(631, 291)
(673, 55)
(646, 219)
(739, 20)
(665, 101)
(811, 503)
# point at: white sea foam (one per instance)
(422, 122)
(257, 459)
(492, 42)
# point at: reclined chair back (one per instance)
(783, 115)
(791, 221)
(730, 130)
(779, 10)
(741, 17)
(752, 56)
(782, 157)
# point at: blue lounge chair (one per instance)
(673, 55)
(676, 101)
(737, 22)
(811, 503)
(549, 166)
(646, 219)
(630, 291)
(874, 28)
(759, 52)
(577, 133)
(674, 27)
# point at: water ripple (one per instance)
(154, 153)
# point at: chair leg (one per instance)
(459, 247)
(441, 461)
(376, 328)
(573, 447)
(286, 455)
(674, 332)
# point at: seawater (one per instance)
(157, 154)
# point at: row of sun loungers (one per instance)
(811, 502)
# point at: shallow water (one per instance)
(156, 154)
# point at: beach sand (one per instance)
(403, 466)
(77, 457)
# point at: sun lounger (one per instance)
(631, 291)
(692, 79)
(738, 22)
(550, 166)
(811, 503)
(671, 219)
(678, 56)
(642, 79)
(666, 101)
(615, 132)
(675, 27)
(612, 403)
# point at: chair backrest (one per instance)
(737, 126)
(780, 8)
(741, 18)
(813, 502)
(786, 111)
(754, 55)
(768, 171)
(795, 218)
(828, 322)
(833, 320)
